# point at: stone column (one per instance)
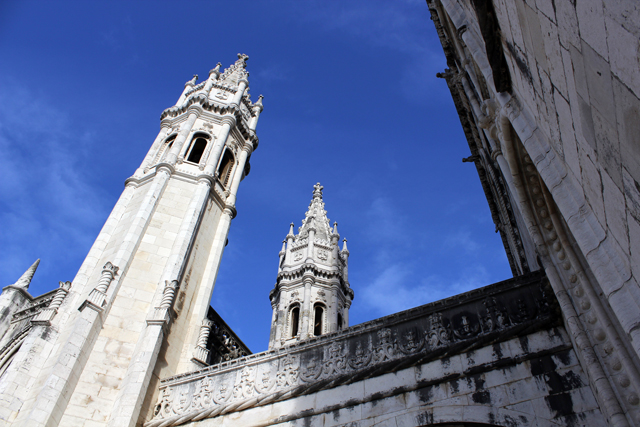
(213, 76)
(281, 254)
(257, 109)
(237, 97)
(237, 176)
(228, 122)
(185, 129)
(333, 310)
(306, 309)
(311, 239)
(290, 237)
(190, 84)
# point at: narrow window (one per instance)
(162, 153)
(317, 323)
(339, 321)
(226, 166)
(295, 319)
(197, 149)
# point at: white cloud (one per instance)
(47, 207)
(461, 240)
(399, 287)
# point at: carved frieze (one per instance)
(474, 319)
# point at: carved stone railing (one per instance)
(221, 345)
(477, 318)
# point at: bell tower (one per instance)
(312, 295)
(135, 309)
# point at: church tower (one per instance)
(135, 310)
(312, 295)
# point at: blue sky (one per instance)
(351, 101)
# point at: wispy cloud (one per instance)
(45, 196)
(461, 240)
(382, 24)
(399, 287)
(396, 26)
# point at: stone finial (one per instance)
(25, 280)
(344, 246)
(258, 103)
(317, 191)
(242, 60)
(290, 231)
(284, 247)
(335, 227)
(216, 69)
(193, 80)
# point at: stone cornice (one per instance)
(299, 271)
(201, 100)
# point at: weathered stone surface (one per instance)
(419, 349)
(575, 71)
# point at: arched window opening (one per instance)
(339, 321)
(318, 314)
(162, 153)
(197, 149)
(226, 166)
(295, 320)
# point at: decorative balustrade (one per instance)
(471, 320)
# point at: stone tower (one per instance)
(135, 310)
(312, 295)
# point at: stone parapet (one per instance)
(478, 318)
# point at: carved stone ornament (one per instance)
(323, 254)
(482, 316)
(222, 94)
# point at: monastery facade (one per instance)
(547, 94)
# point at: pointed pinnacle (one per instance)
(335, 227)
(243, 59)
(258, 104)
(25, 279)
(317, 191)
(344, 245)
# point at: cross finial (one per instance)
(242, 58)
(317, 191)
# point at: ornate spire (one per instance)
(193, 81)
(24, 280)
(216, 69)
(316, 217)
(242, 60)
(236, 72)
(258, 103)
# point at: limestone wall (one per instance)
(534, 380)
(547, 93)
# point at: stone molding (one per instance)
(495, 313)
